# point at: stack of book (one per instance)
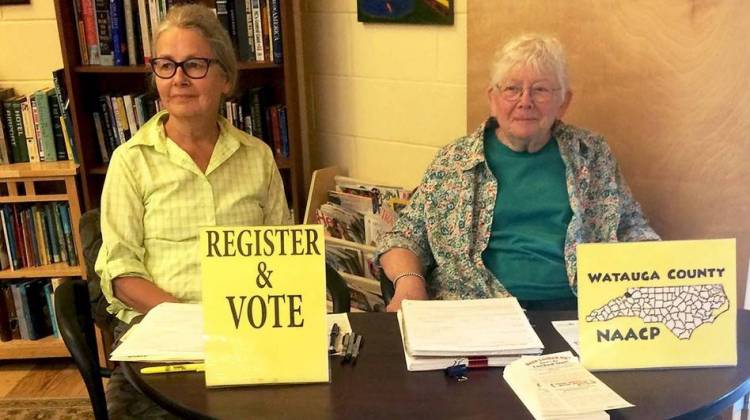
(121, 32)
(254, 112)
(27, 309)
(35, 127)
(477, 333)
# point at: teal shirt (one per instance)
(530, 221)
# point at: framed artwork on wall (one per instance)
(431, 12)
(4, 2)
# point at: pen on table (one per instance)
(355, 352)
(334, 336)
(349, 348)
(344, 342)
(189, 367)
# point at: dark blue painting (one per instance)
(438, 12)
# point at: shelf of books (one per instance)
(354, 214)
(39, 215)
(107, 45)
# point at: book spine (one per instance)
(121, 118)
(119, 42)
(58, 78)
(70, 248)
(278, 56)
(104, 32)
(257, 31)
(265, 15)
(59, 236)
(153, 12)
(110, 127)
(90, 30)
(28, 128)
(57, 129)
(100, 137)
(23, 321)
(272, 113)
(45, 125)
(18, 238)
(10, 306)
(37, 127)
(81, 32)
(284, 128)
(130, 113)
(9, 242)
(32, 240)
(5, 332)
(129, 30)
(49, 232)
(9, 123)
(39, 311)
(145, 30)
(42, 244)
(4, 138)
(240, 38)
(49, 296)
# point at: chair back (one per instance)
(76, 325)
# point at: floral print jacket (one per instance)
(448, 221)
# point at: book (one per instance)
(130, 35)
(36, 308)
(5, 128)
(10, 307)
(61, 93)
(20, 128)
(119, 38)
(5, 332)
(45, 132)
(257, 30)
(276, 44)
(64, 217)
(90, 31)
(57, 128)
(145, 28)
(49, 296)
(244, 27)
(24, 319)
(59, 236)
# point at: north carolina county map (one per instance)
(681, 309)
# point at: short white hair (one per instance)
(541, 53)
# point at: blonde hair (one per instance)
(203, 20)
(539, 52)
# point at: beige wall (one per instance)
(381, 98)
(29, 46)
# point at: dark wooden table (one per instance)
(379, 386)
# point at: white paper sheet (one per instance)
(569, 331)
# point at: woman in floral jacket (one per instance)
(500, 212)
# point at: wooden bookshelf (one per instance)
(41, 182)
(33, 349)
(86, 82)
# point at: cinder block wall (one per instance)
(29, 46)
(380, 98)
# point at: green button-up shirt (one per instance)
(155, 198)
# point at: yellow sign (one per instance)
(657, 304)
(264, 304)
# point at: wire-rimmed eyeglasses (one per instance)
(539, 93)
(194, 68)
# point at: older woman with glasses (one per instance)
(186, 167)
(500, 212)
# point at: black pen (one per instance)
(357, 345)
(349, 348)
(345, 342)
(334, 336)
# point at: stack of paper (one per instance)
(556, 386)
(173, 332)
(170, 332)
(490, 332)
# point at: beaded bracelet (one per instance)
(395, 281)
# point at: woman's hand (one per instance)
(408, 287)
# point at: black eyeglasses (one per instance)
(194, 68)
